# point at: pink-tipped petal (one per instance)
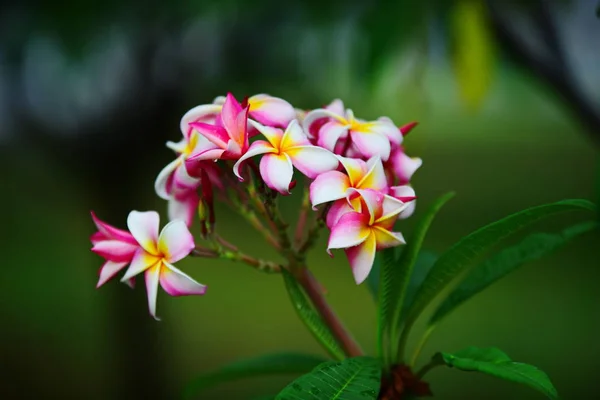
(386, 239)
(372, 199)
(192, 163)
(201, 113)
(108, 270)
(336, 107)
(273, 135)
(217, 135)
(390, 207)
(115, 250)
(240, 135)
(387, 128)
(405, 194)
(177, 283)
(110, 232)
(405, 129)
(175, 241)
(337, 209)
(276, 170)
(294, 136)
(330, 133)
(256, 148)
(327, 187)
(312, 160)
(375, 178)
(351, 229)
(152, 277)
(404, 166)
(141, 261)
(318, 115)
(372, 144)
(229, 114)
(183, 181)
(361, 258)
(271, 111)
(143, 225)
(165, 178)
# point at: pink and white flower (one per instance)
(371, 138)
(268, 110)
(363, 232)
(116, 246)
(283, 151)
(156, 254)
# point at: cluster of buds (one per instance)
(356, 180)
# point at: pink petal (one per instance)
(385, 127)
(183, 180)
(144, 228)
(141, 261)
(130, 283)
(276, 170)
(270, 110)
(373, 201)
(317, 115)
(240, 135)
(336, 107)
(229, 115)
(404, 166)
(361, 258)
(355, 168)
(193, 164)
(110, 232)
(405, 194)
(177, 283)
(350, 230)
(312, 160)
(327, 187)
(273, 135)
(184, 208)
(152, 277)
(115, 250)
(175, 241)
(97, 237)
(217, 135)
(385, 238)
(108, 270)
(294, 136)
(375, 177)
(164, 179)
(405, 129)
(331, 132)
(337, 209)
(256, 148)
(371, 144)
(201, 113)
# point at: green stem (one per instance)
(435, 362)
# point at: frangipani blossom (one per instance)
(268, 110)
(283, 151)
(228, 135)
(371, 138)
(156, 254)
(116, 246)
(335, 185)
(362, 233)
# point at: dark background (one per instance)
(90, 91)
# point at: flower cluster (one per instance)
(355, 172)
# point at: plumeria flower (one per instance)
(283, 151)
(116, 246)
(228, 135)
(336, 185)
(373, 138)
(157, 253)
(362, 233)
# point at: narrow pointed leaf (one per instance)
(423, 265)
(357, 378)
(401, 272)
(492, 361)
(386, 289)
(459, 258)
(282, 363)
(531, 248)
(309, 316)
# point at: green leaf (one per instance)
(282, 363)
(423, 265)
(531, 248)
(457, 260)
(387, 288)
(374, 276)
(309, 316)
(357, 378)
(399, 274)
(493, 361)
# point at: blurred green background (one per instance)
(507, 95)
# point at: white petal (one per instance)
(144, 228)
(312, 160)
(152, 277)
(256, 148)
(164, 179)
(276, 170)
(175, 241)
